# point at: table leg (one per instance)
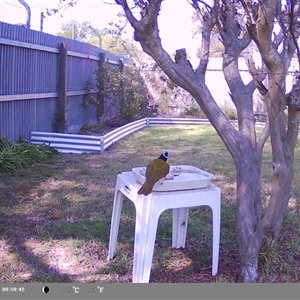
(216, 211)
(179, 227)
(145, 233)
(115, 222)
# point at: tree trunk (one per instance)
(283, 173)
(248, 213)
(283, 141)
(280, 196)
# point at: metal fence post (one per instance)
(102, 144)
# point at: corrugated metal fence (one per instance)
(38, 72)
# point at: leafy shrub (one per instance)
(22, 154)
(4, 143)
(122, 89)
(193, 110)
(230, 113)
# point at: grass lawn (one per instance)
(55, 216)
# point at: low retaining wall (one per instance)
(75, 143)
(68, 143)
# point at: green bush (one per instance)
(118, 87)
(22, 154)
(194, 110)
(230, 113)
(4, 143)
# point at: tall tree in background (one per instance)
(111, 38)
(75, 30)
(238, 23)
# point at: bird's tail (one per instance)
(146, 188)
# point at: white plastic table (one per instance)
(149, 208)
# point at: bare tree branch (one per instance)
(264, 43)
(133, 21)
(263, 137)
(293, 27)
(208, 20)
(257, 75)
(195, 4)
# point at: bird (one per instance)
(156, 170)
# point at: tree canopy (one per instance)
(111, 39)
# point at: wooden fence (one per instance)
(43, 79)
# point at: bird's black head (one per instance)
(164, 156)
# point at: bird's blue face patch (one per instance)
(166, 154)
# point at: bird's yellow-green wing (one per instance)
(156, 170)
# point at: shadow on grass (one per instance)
(194, 262)
(39, 269)
(41, 207)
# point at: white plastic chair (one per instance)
(149, 208)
